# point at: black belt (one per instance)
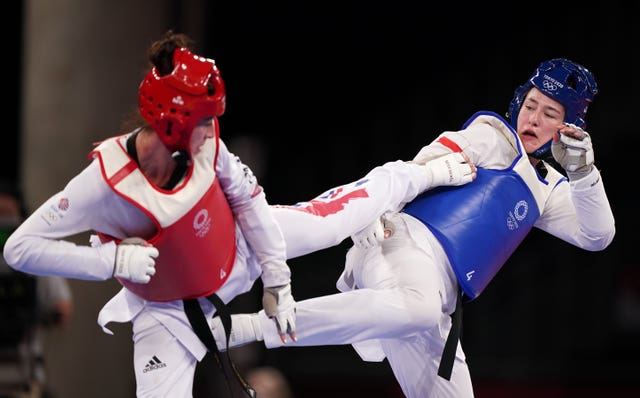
(451, 345)
(202, 329)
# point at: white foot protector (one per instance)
(245, 329)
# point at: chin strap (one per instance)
(542, 152)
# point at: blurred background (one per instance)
(317, 95)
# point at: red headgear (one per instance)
(173, 104)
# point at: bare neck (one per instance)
(154, 158)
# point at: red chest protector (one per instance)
(195, 226)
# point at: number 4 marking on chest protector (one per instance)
(470, 275)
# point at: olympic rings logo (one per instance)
(519, 213)
(202, 223)
(549, 85)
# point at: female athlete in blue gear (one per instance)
(410, 270)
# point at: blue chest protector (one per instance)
(479, 224)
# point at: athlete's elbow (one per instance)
(12, 253)
(600, 243)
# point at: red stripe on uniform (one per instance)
(449, 144)
(122, 173)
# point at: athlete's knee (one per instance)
(425, 311)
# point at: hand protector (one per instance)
(572, 149)
(372, 235)
(135, 260)
(278, 304)
(451, 169)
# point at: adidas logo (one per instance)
(154, 364)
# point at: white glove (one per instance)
(278, 304)
(135, 260)
(451, 169)
(573, 150)
(372, 235)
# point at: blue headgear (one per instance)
(565, 81)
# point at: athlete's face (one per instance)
(539, 118)
(203, 131)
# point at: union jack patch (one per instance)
(63, 204)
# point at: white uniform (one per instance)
(166, 349)
(405, 290)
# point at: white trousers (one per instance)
(400, 308)
(163, 367)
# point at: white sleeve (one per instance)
(340, 212)
(482, 143)
(252, 213)
(37, 247)
(579, 213)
